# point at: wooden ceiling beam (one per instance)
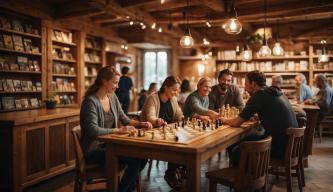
(215, 5)
(136, 3)
(168, 6)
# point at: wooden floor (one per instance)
(319, 175)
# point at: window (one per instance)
(155, 67)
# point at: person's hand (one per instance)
(308, 102)
(212, 114)
(160, 122)
(205, 119)
(147, 125)
(125, 130)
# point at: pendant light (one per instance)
(187, 41)
(232, 26)
(246, 53)
(323, 57)
(277, 49)
(265, 51)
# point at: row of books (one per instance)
(62, 84)
(93, 43)
(60, 52)
(324, 66)
(19, 63)
(235, 55)
(92, 57)
(18, 25)
(266, 66)
(15, 85)
(11, 103)
(64, 99)
(18, 43)
(287, 81)
(63, 68)
(62, 36)
(90, 70)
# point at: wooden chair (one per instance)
(326, 123)
(89, 174)
(292, 160)
(251, 174)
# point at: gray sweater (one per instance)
(232, 97)
(92, 120)
(196, 105)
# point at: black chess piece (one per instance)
(176, 138)
(183, 122)
(199, 123)
(203, 126)
(175, 125)
(220, 122)
(216, 123)
(208, 124)
(139, 133)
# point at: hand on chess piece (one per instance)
(205, 119)
(125, 130)
(212, 114)
(147, 125)
(160, 122)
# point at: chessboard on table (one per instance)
(177, 133)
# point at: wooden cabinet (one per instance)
(36, 146)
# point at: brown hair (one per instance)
(258, 77)
(169, 82)
(104, 74)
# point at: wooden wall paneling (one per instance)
(80, 50)
(311, 78)
(34, 143)
(49, 61)
(57, 144)
(44, 60)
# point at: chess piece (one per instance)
(139, 133)
(152, 135)
(216, 123)
(183, 122)
(203, 126)
(175, 125)
(176, 138)
(220, 122)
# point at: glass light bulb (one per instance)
(131, 22)
(205, 41)
(153, 25)
(232, 26)
(323, 58)
(160, 29)
(265, 51)
(246, 55)
(186, 41)
(278, 50)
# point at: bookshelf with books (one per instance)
(20, 62)
(288, 66)
(94, 58)
(63, 67)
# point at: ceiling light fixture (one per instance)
(208, 24)
(131, 22)
(205, 41)
(160, 29)
(265, 51)
(277, 49)
(323, 57)
(232, 26)
(162, 1)
(187, 41)
(153, 26)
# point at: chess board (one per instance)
(180, 135)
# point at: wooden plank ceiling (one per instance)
(297, 18)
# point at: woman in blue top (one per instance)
(100, 114)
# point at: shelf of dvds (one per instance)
(20, 63)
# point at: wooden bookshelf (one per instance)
(64, 65)
(94, 58)
(21, 63)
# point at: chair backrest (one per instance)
(253, 166)
(80, 163)
(295, 146)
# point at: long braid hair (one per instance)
(104, 74)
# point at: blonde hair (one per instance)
(104, 74)
(203, 80)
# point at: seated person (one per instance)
(100, 114)
(324, 98)
(160, 109)
(225, 93)
(274, 111)
(144, 94)
(277, 81)
(196, 104)
(304, 92)
(185, 91)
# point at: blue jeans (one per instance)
(134, 167)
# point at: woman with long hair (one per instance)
(162, 108)
(100, 114)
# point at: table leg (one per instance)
(112, 168)
(193, 173)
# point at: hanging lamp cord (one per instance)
(265, 7)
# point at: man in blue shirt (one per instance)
(304, 92)
(123, 92)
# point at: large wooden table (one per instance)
(191, 154)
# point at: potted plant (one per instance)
(51, 102)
